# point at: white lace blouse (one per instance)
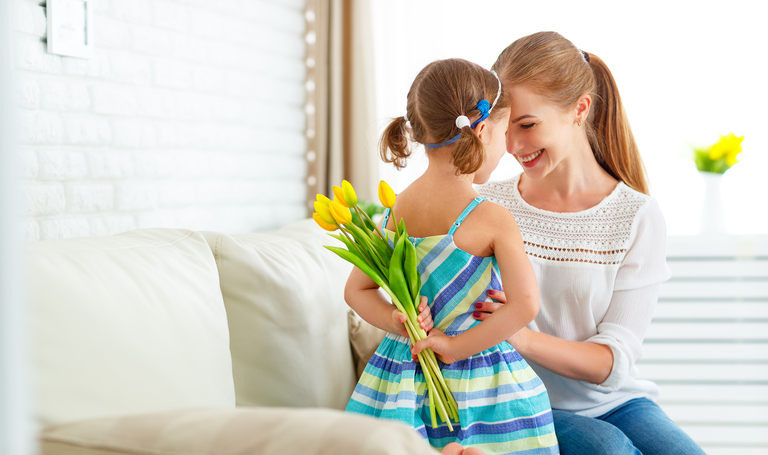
(599, 273)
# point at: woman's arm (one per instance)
(604, 360)
(583, 361)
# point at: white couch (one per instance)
(166, 341)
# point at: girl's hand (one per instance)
(484, 309)
(424, 318)
(425, 315)
(441, 344)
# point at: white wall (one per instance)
(190, 114)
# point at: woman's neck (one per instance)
(578, 182)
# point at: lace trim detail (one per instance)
(578, 255)
(599, 235)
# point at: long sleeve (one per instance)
(635, 295)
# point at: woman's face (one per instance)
(494, 147)
(540, 134)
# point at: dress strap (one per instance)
(386, 220)
(464, 214)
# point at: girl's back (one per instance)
(430, 209)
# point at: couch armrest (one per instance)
(238, 431)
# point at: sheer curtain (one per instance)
(16, 429)
(341, 102)
(688, 72)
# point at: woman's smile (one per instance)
(531, 159)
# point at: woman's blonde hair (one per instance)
(561, 73)
(441, 92)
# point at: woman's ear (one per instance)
(583, 104)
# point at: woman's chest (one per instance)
(574, 296)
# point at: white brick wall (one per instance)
(190, 114)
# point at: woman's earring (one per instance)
(579, 122)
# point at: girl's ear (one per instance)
(583, 104)
(481, 130)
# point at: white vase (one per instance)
(712, 209)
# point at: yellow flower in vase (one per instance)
(720, 156)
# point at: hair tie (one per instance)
(585, 55)
(462, 121)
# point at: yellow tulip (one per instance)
(324, 224)
(323, 199)
(350, 197)
(729, 145)
(340, 213)
(324, 211)
(732, 158)
(386, 195)
(339, 195)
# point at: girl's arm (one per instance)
(363, 295)
(516, 272)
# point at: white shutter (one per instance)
(707, 347)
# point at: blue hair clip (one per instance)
(485, 110)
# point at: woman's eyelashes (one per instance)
(527, 126)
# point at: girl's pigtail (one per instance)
(393, 146)
(468, 152)
(610, 135)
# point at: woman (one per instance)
(596, 241)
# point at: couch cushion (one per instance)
(284, 295)
(241, 431)
(126, 324)
(364, 339)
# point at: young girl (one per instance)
(465, 247)
(596, 241)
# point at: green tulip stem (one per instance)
(432, 395)
(360, 245)
(361, 213)
(429, 367)
(362, 239)
(434, 398)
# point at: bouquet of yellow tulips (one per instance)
(393, 266)
(720, 156)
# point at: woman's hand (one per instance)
(484, 309)
(424, 318)
(443, 346)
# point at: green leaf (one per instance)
(397, 279)
(360, 264)
(364, 241)
(411, 270)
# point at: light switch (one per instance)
(70, 28)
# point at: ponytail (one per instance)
(393, 145)
(562, 73)
(443, 92)
(609, 133)
(468, 152)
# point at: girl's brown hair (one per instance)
(561, 73)
(442, 91)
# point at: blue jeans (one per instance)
(636, 427)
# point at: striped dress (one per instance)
(503, 406)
